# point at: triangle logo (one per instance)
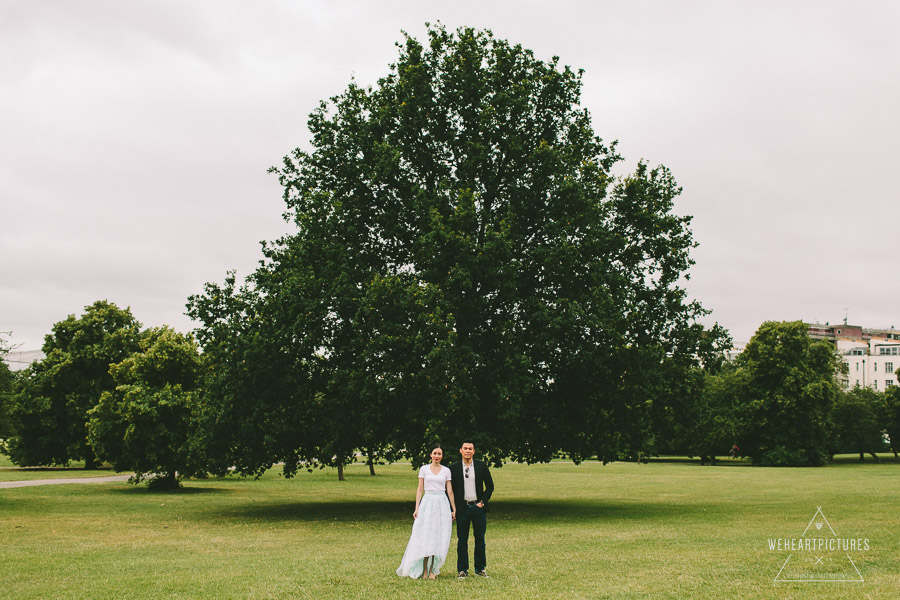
(819, 554)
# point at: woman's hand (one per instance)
(453, 514)
(416, 514)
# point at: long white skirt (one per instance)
(430, 536)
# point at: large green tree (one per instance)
(465, 263)
(55, 394)
(791, 390)
(149, 423)
(855, 424)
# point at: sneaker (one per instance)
(462, 575)
(481, 573)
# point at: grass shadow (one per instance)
(54, 469)
(341, 510)
(141, 488)
(840, 459)
(853, 459)
(385, 511)
(593, 510)
(720, 461)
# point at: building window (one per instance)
(888, 367)
(875, 383)
(875, 365)
(888, 383)
(857, 365)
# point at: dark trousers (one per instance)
(475, 516)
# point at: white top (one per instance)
(434, 483)
(469, 483)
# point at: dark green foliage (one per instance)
(791, 389)
(720, 418)
(260, 402)
(889, 416)
(855, 425)
(464, 263)
(148, 423)
(54, 396)
(7, 379)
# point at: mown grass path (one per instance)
(660, 530)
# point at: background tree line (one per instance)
(149, 412)
(108, 391)
(782, 404)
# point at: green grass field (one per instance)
(668, 529)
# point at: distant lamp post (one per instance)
(864, 372)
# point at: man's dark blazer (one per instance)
(484, 484)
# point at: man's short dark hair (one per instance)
(467, 441)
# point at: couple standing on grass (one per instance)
(467, 481)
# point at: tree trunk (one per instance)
(874, 457)
(341, 472)
(89, 463)
(371, 462)
(862, 457)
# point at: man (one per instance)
(472, 488)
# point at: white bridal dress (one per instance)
(431, 529)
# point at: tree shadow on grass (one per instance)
(53, 469)
(384, 511)
(853, 459)
(720, 461)
(340, 510)
(141, 488)
(584, 510)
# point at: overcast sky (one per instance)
(135, 138)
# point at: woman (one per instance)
(434, 515)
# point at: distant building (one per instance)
(832, 333)
(871, 364)
(872, 356)
(735, 351)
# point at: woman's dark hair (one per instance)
(435, 447)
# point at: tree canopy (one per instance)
(465, 262)
(791, 390)
(855, 422)
(55, 394)
(149, 423)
